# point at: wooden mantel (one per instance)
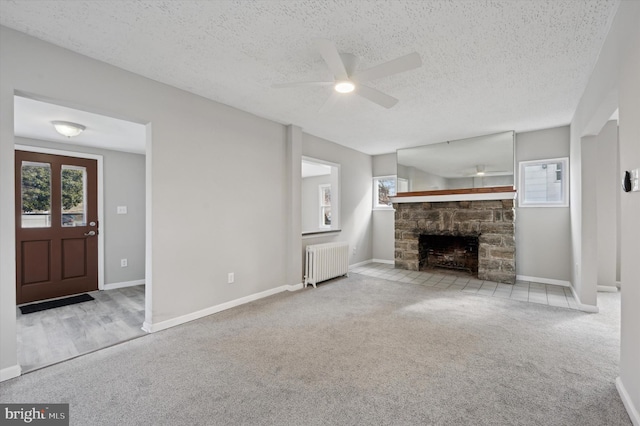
(488, 193)
(487, 190)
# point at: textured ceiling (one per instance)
(489, 66)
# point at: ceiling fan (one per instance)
(347, 79)
(481, 170)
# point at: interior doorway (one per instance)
(89, 236)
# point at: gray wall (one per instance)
(613, 84)
(355, 195)
(123, 186)
(201, 157)
(626, 37)
(419, 180)
(543, 234)
(607, 211)
(383, 220)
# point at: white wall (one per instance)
(123, 186)
(607, 187)
(355, 195)
(384, 220)
(204, 159)
(613, 84)
(543, 234)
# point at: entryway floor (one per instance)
(523, 291)
(58, 334)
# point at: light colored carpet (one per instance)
(356, 350)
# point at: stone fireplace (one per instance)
(443, 234)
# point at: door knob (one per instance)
(90, 234)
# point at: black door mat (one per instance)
(43, 306)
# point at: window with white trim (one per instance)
(384, 187)
(544, 183)
(325, 205)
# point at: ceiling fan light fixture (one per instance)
(344, 87)
(68, 129)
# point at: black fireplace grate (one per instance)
(449, 252)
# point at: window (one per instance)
(325, 206)
(36, 195)
(74, 194)
(384, 187)
(544, 183)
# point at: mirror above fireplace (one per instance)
(480, 162)
(320, 196)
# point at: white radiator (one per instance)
(326, 261)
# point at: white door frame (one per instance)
(101, 225)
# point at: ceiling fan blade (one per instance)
(329, 103)
(302, 83)
(376, 96)
(395, 66)
(330, 54)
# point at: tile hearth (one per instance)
(522, 291)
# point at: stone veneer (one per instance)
(491, 221)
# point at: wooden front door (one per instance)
(56, 226)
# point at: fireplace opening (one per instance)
(449, 252)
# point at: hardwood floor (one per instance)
(54, 335)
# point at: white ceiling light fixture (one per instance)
(344, 87)
(68, 129)
(480, 170)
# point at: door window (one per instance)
(74, 194)
(36, 194)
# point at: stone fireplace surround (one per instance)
(492, 221)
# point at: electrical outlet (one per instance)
(231, 277)
(121, 210)
(124, 263)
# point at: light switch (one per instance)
(122, 209)
(635, 180)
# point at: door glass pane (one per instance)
(74, 196)
(36, 194)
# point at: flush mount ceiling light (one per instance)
(68, 129)
(344, 87)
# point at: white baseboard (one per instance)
(584, 308)
(10, 372)
(163, 325)
(388, 262)
(607, 288)
(365, 262)
(628, 404)
(113, 286)
(551, 281)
